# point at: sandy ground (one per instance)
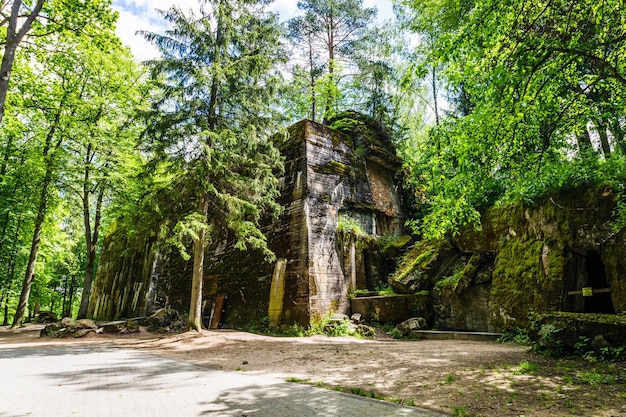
(460, 378)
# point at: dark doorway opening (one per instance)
(587, 287)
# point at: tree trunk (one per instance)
(64, 303)
(72, 293)
(330, 43)
(91, 238)
(13, 39)
(195, 309)
(434, 87)
(5, 321)
(331, 83)
(5, 222)
(604, 138)
(10, 271)
(312, 81)
(584, 140)
(34, 250)
(41, 215)
(88, 280)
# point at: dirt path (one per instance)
(460, 378)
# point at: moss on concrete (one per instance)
(528, 276)
(614, 258)
(335, 168)
(572, 328)
(424, 265)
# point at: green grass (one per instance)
(596, 378)
(353, 390)
(448, 380)
(526, 368)
(460, 412)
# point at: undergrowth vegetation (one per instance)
(325, 326)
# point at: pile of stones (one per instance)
(162, 321)
(68, 327)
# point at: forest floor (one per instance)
(460, 378)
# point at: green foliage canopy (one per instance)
(541, 98)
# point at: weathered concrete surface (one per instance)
(106, 381)
(392, 309)
(524, 259)
(124, 280)
(451, 335)
(328, 176)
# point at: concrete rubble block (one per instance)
(67, 322)
(51, 329)
(338, 318)
(86, 324)
(83, 332)
(47, 317)
(113, 327)
(69, 327)
(366, 331)
(392, 309)
(414, 323)
(119, 326)
(599, 344)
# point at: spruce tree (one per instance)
(212, 120)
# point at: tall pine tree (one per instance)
(330, 27)
(212, 120)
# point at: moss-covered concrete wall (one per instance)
(535, 247)
(125, 281)
(541, 257)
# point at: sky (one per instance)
(141, 15)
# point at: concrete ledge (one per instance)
(391, 308)
(452, 335)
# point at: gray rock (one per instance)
(67, 322)
(599, 343)
(356, 318)
(86, 324)
(415, 323)
(47, 317)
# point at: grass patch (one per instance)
(460, 412)
(448, 379)
(596, 378)
(354, 391)
(298, 380)
(526, 368)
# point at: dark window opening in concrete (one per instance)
(596, 279)
(371, 276)
(587, 287)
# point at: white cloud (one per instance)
(286, 9)
(141, 15)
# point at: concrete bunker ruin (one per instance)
(559, 255)
(340, 194)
